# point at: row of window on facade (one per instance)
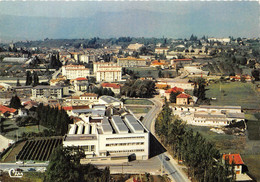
(124, 144)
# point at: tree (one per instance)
(35, 79)
(28, 78)
(15, 102)
(18, 83)
(255, 74)
(1, 125)
(160, 75)
(173, 96)
(65, 166)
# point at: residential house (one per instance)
(234, 159)
(80, 84)
(113, 86)
(167, 93)
(183, 99)
(7, 111)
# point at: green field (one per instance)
(234, 94)
(138, 102)
(12, 130)
(253, 164)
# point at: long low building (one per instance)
(114, 137)
(205, 115)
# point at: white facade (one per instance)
(107, 72)
(222, 40)
(75, 71)
(84, 58)
(115, 136)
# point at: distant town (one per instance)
(130, 109)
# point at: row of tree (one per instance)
(65, 166)
(101, 91)
(31, 79)
(203, 160)
(53, 118)
(138, 88)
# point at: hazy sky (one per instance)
(243, 14)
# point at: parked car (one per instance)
(31, 169)
(19, 162)
(167, 158)
(30, 162)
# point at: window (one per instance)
(92, 148)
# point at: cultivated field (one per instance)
(39, 150)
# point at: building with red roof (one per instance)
(183, 99)
(4, 109)
(174, 89)
(168, 92)
(113, 86)
(235, 159)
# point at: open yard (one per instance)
(11, 130)
(235, 94)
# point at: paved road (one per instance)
(37, 166)
(170, 166)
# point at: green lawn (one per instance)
(138, 110)
(138, 101)
(234, 93)
(11, 129)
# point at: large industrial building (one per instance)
(108, 133)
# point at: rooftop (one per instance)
(233, 158)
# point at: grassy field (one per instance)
(138, 101)
(234, 93)
(253, 164)
(11, 129)
(138, 110)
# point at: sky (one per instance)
(240, 18)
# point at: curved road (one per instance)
(170, 166)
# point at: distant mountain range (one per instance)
(107, 24)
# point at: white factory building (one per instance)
(108, 133)
(206, 115)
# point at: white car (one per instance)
(19, 162)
